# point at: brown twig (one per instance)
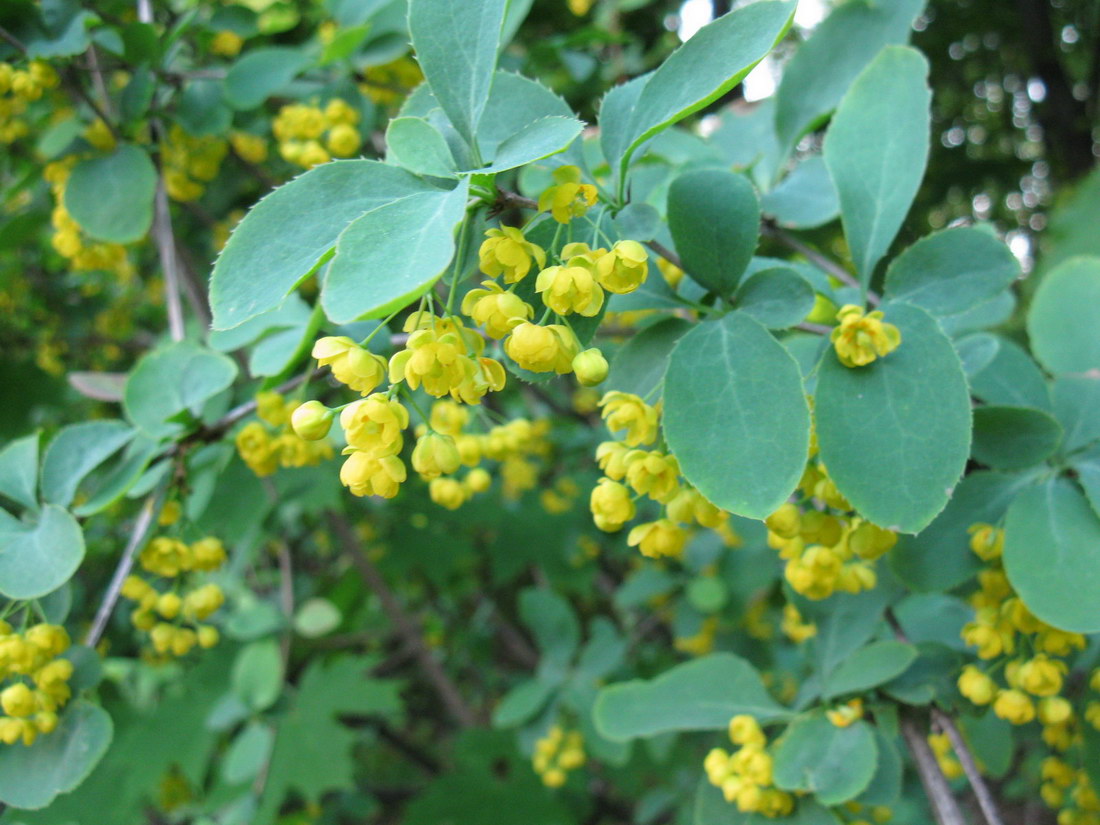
(818, 259)
(666, 253)
(945, 807)
(150, 511)
(404, 624)
(962, 750)
(12, 40)
(166, 249)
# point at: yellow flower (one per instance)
(568, 198)
(478, 480)
(203, 601)
(496, 310)
(353, 366)
(17, 700)
(435, 455)
(208, 554)
(625, 411)
(338, 111)
(448, 417)
(658, 538)
(368, 476)
(743, 729)
(653, 474)
(869, 541)
(1014, 706)
(542, 348)
(986, 541)
(580, 7)
(624, 268)
(570, 288)
(785, 522)
(689, 505)
(611, 505)
(249, 147)
(226, 43)
(846, 714)
(343, 140)
(311, 420)
(794, 627)
(1042, 676)
(437, 355)
(507, 252)
(590, 367)
(448, 492)
(374, 425)
(860, 339)
(1055, 710)
(166, 557)
(977, 686)
(611, 458)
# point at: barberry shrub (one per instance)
(509, 467)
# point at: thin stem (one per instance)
(166, 250)
(380, 327)
(666, 253)
(822, 261)
(150, 511)
(970, 766)
(460, 257)
(409, 397)
(945, 807)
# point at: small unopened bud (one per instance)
(311, 420)
(590, 367)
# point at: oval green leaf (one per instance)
(778, 298)
(1065, 315)
(834, 764)
(639, 367)
(111, 197)
(736, 416)
(76, 451)
(19, 471)
(869, 667)
(1052, 555)
(874, 423)
(714, 218)
(418, 146)
(39, 557)
(1011, 438)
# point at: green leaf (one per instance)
(934, 617)
(977, 351)
(1052, 555)
(778, 298)
(40, 556)
(118, 479)
(736, 416)
(1064, 317)
(712, 62)
(834, 764)
(202, 109)
(537, 140)
(316, 617)
(806, 198)
(1011, 379)
(456, 46)
(638, 221)
(344, 44)
(248, 753)
(111, 196)
(1077, 408)
(261, 73)
(844, 623)
(952, 271)
(991, 739)
(714, 218)
(703, 694)
(822, 69)
(1012, 438)
(180, 377)
(291, 231)
(30, 778)
(19, 471)
(414, 143)
(869, 667)
(878, 416)
(939, 557)
(931, 678)
(313, 752)
(1087, 466)
(138, 94)
(554, 624)
(522, 702)
(876, 150)
(639, 367)
(257, 675)
(393, 254)
(77, 450)
(885, 785)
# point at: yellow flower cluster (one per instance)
(190, 163)
(34, 681)
(556, 754)
(68, 240)
(391, 82)
(309, 136)
(651, 473)
(859, 339)
(745, 775)
(1069, 791)
(567, 198)
(794, 627)
(18, 88)
(445, 358)
(249, 147)
(264, 450)
(172, 617)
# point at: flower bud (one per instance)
(590, 367)
(435, 455)
(311, 420)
